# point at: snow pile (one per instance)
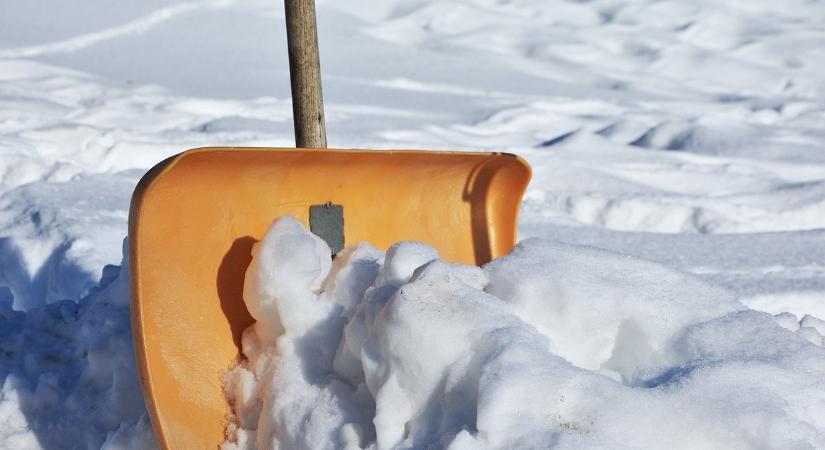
(555, 345)
(67, 367)
(55, 237)
(69, 372)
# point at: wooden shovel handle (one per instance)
(305, 74)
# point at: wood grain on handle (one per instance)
(305, 74)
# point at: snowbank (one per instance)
(69, 372)
(555, 345)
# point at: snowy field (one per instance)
(685, 136)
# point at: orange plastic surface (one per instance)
(195, 217)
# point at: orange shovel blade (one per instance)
(195, 217)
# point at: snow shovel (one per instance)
(195, 217)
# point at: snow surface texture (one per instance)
(686, 133)
(553, 346)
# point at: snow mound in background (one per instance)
(56, 237)
(555, 345)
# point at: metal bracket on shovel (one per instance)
(327, 222)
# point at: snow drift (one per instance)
(553, 346)
(69, 373)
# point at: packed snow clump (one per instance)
(553, 346)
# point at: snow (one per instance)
(552, 346)
(686, 134)
(65, 364)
